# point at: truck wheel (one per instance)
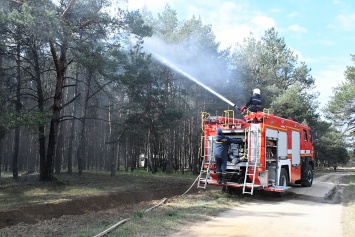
(283, 181)
(308, 179)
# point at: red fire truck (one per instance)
(278, 152)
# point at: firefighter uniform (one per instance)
(221, 147)
(254, 103)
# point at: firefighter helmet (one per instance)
(256, 91)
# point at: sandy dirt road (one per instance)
(302, 212)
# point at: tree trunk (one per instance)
(18, 112)
(72, 130)
(41, 131)
(171, 147)
(118, 156)
(82, 135)
(59, 151)
(112, 144)
(70, 148)
(1, 147)
(113, 159)
(60, 65)
(2, 129)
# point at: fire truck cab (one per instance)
(278, 152)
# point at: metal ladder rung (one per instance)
(203, 171)
(253, 158)
(248, 184)
(207, 155)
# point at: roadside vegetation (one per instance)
(348, 215)
(181, 212)
(177, 214)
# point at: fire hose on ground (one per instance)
(147, 210)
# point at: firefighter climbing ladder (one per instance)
(205, 167)
(253, 158)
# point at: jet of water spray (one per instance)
(175, 68)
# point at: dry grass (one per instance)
(28, 190)
(348, 215)
(176, 213)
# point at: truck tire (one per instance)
(283, 181)
(308, 178)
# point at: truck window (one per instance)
(305, 135)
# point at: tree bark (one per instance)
(40, 101)
(2, 129)
(18, 112)
(60, 65)
(59, 151)
(82, 135)
(1, 147)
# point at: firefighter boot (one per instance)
(219, 181)
(224, 181)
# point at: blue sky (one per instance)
(320, 32)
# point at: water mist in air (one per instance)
(166, 55)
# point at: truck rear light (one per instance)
(258, 169)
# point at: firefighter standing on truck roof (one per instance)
(221, 147)
(254, 102)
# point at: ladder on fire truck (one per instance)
(206, 162)
(253, 157)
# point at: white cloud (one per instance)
(154, 6)
(297, 28)
(275, 10)
(263, 22)
(347, 22)
(293, 15)
(301, 58)
(327, 42)
(231, 22)
(238, 27)
(326, 80)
